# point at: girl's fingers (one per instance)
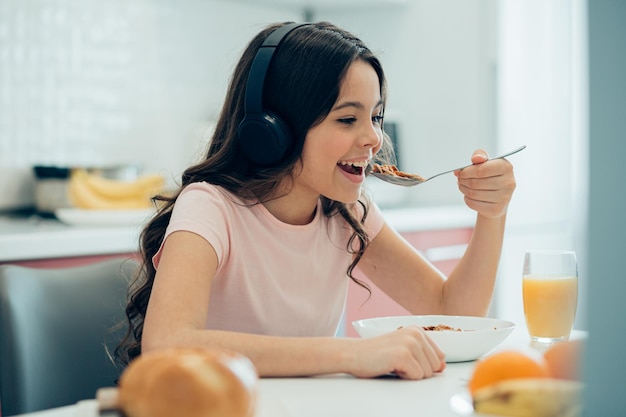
(488, 187)
(408, 352)
(426, 356)
(479, 156)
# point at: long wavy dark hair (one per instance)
(302, 85)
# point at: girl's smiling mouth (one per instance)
(354, 167)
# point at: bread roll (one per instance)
(188, 383)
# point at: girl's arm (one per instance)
(397, 269)
(178, 309)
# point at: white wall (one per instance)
(108, 82)
(439, 58)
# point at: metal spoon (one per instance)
(409, 182)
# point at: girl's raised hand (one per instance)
(407, 352)
(487, 185)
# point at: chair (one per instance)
(54, 324)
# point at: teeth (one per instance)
(361, 164)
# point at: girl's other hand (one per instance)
(487, 185)
(407, 352)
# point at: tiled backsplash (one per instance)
(91, 82)
(70, 72)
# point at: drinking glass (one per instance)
(550, 292)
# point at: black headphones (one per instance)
(262, 136)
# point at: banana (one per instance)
(83, 195)
(530, 397)
(144, 186)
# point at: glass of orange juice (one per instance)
(550, 292)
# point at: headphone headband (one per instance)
(262, 136)
(260, 65)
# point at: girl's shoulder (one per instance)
(200, 198)
(208, 192)
(203, 187)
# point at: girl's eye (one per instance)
(347, 120)
(378, 120)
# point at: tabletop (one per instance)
(340, 395)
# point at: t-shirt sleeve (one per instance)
(199, 209)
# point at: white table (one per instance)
(344, 396)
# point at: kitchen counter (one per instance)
(37, 238)
(420, 219)
(27, 238)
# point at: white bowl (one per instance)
(478, 335)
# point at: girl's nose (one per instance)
(372, 137)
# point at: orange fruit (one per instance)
(564, 359)
(507, 364)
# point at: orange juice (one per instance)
(550, 305)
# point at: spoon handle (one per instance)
(410, 182)
(495, 157)
(510, 153)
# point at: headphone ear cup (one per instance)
(264, 138)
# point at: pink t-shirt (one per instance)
(272, 278)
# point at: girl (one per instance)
(254, 251)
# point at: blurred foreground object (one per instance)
(189, 383)
(530, 397)
(518, 383)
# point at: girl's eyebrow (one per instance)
(355, 104)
